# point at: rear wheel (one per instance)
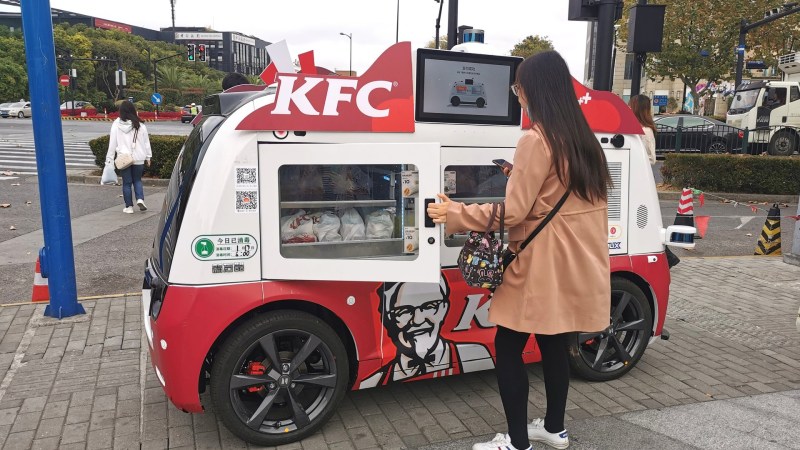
(455, 101)
(717, 146)
(279, 377)
(611, 353)
(783, 143)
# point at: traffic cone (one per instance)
(685, 214)
(769, 243)
(41, 293)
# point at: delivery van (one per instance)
(294, 259)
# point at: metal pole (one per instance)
(638, 62)
(452, 23)
(438, 22)
(155, 80)
(740, 53)
(56, 258)
(350, 72)
(397, 27)
(605, 43)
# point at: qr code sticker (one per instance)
(246, 201)
(246, 177)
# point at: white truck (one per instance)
(770, 110)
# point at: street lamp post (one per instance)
(438, 21)
(350, 36)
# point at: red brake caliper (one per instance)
(255, 368)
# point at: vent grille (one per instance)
(641, 216)
(615, 194)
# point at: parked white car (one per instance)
(798, 320)
(19, 109)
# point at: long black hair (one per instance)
(127, 111)
(578, 158)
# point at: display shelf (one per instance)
(337, 204)
(368, 248)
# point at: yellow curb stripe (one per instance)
(80, 299)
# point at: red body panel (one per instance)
(192, 318)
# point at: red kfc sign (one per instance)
(381, 100)
(605, 112)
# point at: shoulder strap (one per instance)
(135, 135)
(544, 222)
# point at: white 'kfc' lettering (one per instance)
(287, 94)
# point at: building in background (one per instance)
(227, 51)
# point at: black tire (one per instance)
(480, 103)
(783, 143)
(21, 115)
(288, 401)
(717, 146)
(455, 101)
(630, 310)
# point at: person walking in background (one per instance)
(640, 105)
(129, 135)
(561, 283)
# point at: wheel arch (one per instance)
(642, 284)
(314, 309)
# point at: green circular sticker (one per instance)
(204, 248)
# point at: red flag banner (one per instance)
(701, 223)
(702, 199)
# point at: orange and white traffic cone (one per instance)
(685, 214)
(41, 293)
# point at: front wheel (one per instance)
(783, 143)
(279, 377)
(21, 115)
(480, 103)
(717, 146)
(611, 353)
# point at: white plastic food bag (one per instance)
(297, 228)
(109, 176)
(352, 225)
(326, 226)
(380, 225)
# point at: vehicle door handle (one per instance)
(428, 219)
(784, 119)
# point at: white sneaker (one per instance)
(536, 432)
(142, 206)
(500, 442)
(128, 210)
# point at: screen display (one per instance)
(466, 88)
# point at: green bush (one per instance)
(165, 152)
(734, 173)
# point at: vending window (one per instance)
(348, 211)
(473, 184)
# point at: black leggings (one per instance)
(512, 380)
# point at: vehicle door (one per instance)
(776, 101)
(350, 212)
(794, 107)
(696, 133)
(666, 129)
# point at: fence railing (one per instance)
(773, 140)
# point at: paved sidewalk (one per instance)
(80, 384)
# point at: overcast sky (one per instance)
(316, 24)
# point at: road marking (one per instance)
(745, 220)
(8, 178)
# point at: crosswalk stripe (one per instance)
(19, 156)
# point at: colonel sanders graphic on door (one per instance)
(413, 314)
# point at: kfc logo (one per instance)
(381, 100)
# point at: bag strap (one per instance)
(502, 221)
(544, 222)
(491, 219)
(135, 135)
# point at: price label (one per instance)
(409, 180)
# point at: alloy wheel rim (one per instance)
(295, 382)
(614, 348)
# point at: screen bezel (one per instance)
(514, 112)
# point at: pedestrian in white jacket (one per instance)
(129, 135)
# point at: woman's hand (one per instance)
(506, 171)
(438, 211)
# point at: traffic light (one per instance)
(190, 52)
(201, 52)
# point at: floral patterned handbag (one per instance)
(481, 258)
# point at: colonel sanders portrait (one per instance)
(413, 315)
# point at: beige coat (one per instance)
(561, 281)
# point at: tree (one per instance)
(700, 39)
(442, 43)
(170, 78)
(532, 45)
(13, 80)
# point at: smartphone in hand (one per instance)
(503, 164)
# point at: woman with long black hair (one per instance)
(129, 135)
(560, 284)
